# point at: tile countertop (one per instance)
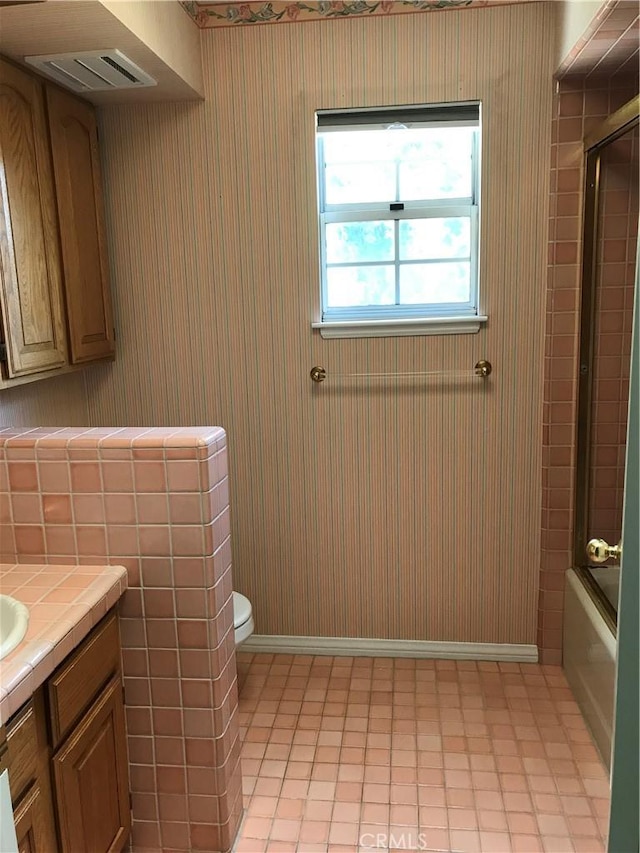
(64, 602)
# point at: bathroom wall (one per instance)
(407, 511)
(58, 402)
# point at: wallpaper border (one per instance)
(213, 15)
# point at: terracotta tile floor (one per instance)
(358, 753)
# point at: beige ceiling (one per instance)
(159, 37)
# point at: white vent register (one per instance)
(92, 71)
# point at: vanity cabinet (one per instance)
(67, 754)
(54, 290)
(88, 735)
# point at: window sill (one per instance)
(400, 328)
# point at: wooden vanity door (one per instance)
(30, 266)
(91, 778)
(26, 820)
(32, 833)
(76, 162)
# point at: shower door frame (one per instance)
(614, 126)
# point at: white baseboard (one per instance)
(364, 647)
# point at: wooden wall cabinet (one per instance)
(54, 287)
(67, 754)
(32, 300)
(76, 164)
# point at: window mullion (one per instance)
(396, 237)
(412, 206)
(475, 176)
(396, 233)
(322, 177)
(382, 212)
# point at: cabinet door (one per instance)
(29, 764)
(91, 779)
(30, 266)
(27, 822)
(74, 145)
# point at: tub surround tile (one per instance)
(64, 602)
(580, 103)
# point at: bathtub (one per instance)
(589, 653)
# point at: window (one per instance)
(399, 201)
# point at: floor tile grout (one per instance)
(382, 753)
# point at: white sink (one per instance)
(14, 618)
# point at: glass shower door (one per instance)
(609, 267)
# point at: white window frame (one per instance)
(398, 319)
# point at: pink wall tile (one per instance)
(56, 509)
(183, 476)
(85, 477)
(119, 509)
(187, 508)
(152, 508)
(26, 508)
(117, 476)
(149, 476)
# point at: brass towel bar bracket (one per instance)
(482, 368)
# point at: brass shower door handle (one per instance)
(599, 551)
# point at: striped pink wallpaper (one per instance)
(404, 511)
(61, 401)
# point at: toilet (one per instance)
(242, 618)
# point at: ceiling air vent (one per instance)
(92, 71)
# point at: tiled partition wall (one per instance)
(581, 104)
(155, 501)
